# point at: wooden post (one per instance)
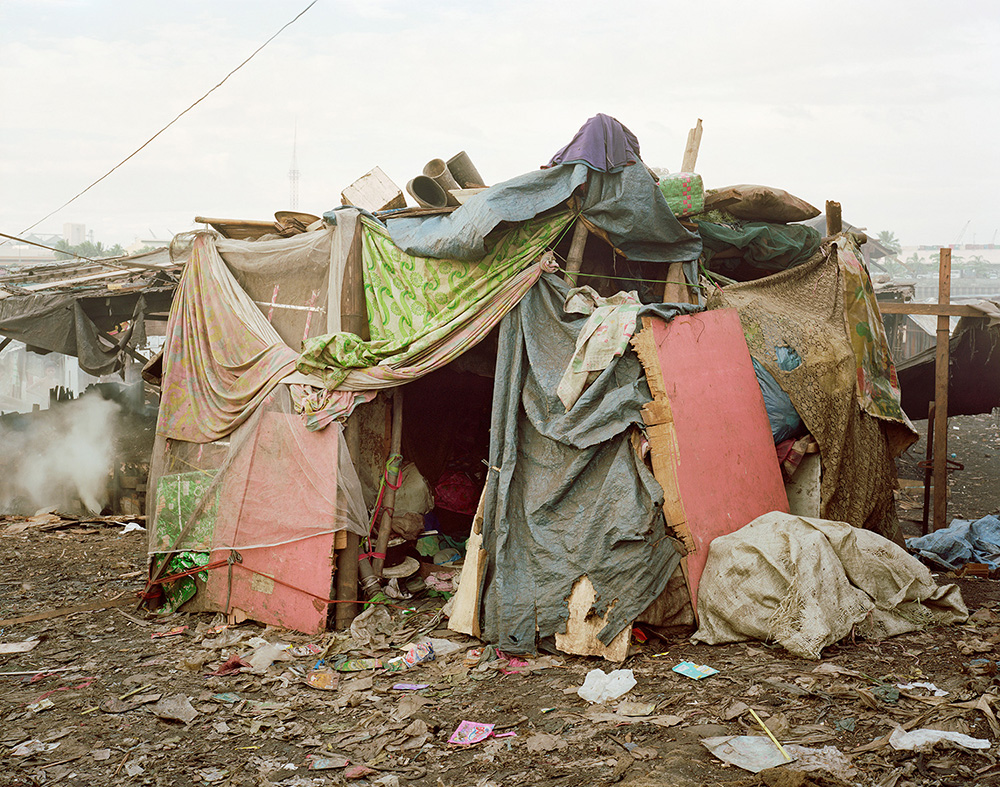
(389, 499)
(675, 289)
(354, 319)
(691, 149)
(941, 370)
(928, 473)
(834, 222)
(574, 260)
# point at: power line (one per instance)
(179, 116)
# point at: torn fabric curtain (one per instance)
(221, 357)
(424, 313)
(567, 495)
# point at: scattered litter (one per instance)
(265, 655)
(887, 693)
(600, 687)
(357, 665)
(18, 647)
(227, 697)
(848, 724)
(132, 527)
(934, 690)
(176, 707)
(327, 763)
(133, 769)
(410, 686)
(358, 772)
(34, 746)
(545, 742)
(750, 752)
(100, 755)
(629, 708)
(415, 654)
(171, 633)
(925, 740)
(735, 710)
(696, 671)
(469, 732)
(309, 649)
(212, 775)
(230, 666)
(40, 705)
(325, 679)
(829, 759)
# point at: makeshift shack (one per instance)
(422, 379)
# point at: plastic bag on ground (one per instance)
(600, 687)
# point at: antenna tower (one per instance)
(293, 175)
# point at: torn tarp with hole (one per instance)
(567, 495)
(73, 324)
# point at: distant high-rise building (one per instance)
(74, 234)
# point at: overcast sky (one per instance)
(890, 108)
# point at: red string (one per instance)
(220, 563)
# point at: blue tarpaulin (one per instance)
(960, 543)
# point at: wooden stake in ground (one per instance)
(354, 319)
(675, 289)
(389, 498)
(941, 362)
(834, 223)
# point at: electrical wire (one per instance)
(178, 117)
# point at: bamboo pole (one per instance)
(941, 364)
(389, 499)
(354, 319)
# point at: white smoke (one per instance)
(59, 459)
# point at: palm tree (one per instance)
(888, 239)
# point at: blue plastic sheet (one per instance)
(960, 543)
(784, 418)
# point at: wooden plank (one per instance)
(374, 191)
(941, 364)
(464, 616)
(583, 627)
(59, 612)
(940, 309)
(691, 149)
(659, 419)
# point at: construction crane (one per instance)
(962, 233)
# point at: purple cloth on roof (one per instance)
(602, 143)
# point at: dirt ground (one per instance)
(102, 699)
